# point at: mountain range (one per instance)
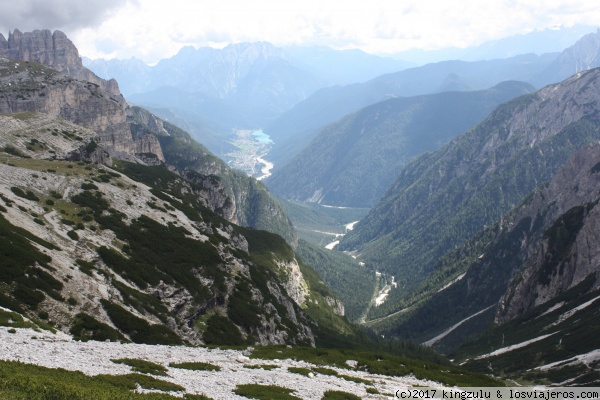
(549, 40)
(444, 197)
(241, 86)
(297, 127)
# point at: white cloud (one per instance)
(152, 29)
(28, 15)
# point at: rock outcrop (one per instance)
(336, 305)
(295, 285)
(29, 86)
(55, 50)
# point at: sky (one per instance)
(151, 30)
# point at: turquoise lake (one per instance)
(261, 136)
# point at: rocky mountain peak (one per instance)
(583, 54)
(257, 50)
(43, 46)
(53, 49)
(28, 86)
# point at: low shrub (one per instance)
(29, 195)
(73, 235)
(196, 366)
(265, 392)
(339, 395)
(143, 366)
(86, 327)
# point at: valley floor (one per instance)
(250, 153)
(93, 358)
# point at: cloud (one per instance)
(156, 29)
(28, 15)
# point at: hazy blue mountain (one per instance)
(538, 42)
(254, 81)
(133, 75)
(256, 78)
(474, 75)
(294, 129)
(343, 67)
(581, 56)
(353, 161)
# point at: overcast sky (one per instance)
(155, 29)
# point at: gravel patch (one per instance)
(92, 358)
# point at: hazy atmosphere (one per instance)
(151, 30)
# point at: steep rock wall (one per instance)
(569, 250)
(55, 50)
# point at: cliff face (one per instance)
(29, 86)
(75, 94)
(568, 251)
(54, 50)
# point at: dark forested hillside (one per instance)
(353, 161)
